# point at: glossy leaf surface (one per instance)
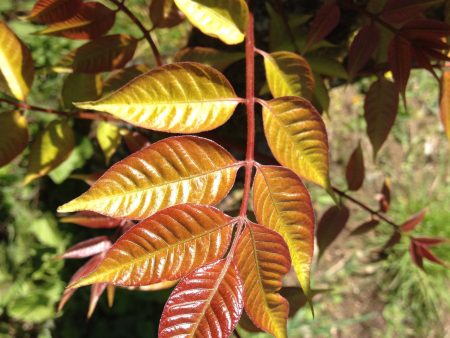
(380, 111)
(16, 64)
(91, 220)
(165, 247)
(51, 147)
(330, 226)
(262, 258)
(176, 170)
(165, 14)
(13, 136)
(87, 248)
(206, 303)
(297, 138)
(222, 19)
(109, 139)
(355, 171)
(281, 202)
(288, 74)
(179, 98)
(209, 56)
(50, 11)
(90, 22)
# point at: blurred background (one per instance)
(360, 297)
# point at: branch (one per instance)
(122, 7)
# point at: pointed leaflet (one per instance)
(13, 136)
(51, 147)
(400, 56)
(96, 291)
(380, 111)
(262, 259)
(281, 202)
(399, 11)
(288, 74)
(165, 246)
(103, 54)
(183, 97)
(354, 173)
(50, 11)
(384, 198)
(91, 220)
(78, 87)
(109, 139)
(134, 140)
(16, 64)
(88, 248)
(110, 292)
(222, 19)
(365, 227)
(164, 14)
(362, 48)
(91, 21)
(414, 252)
(431, 241)
(413, 222)
(445, 102)
(206, 303)
(184, 169)
(209, 56)
(330, 226)
(297, 137)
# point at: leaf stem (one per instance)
(122, 7)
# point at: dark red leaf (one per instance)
(50, 11)
(330, 226)
(362, 48)
(425, 29)
(88, 248)
(393, 240)
(427, 254)
(384, 197)
(430, 241)
(91, 220)
(413, 222)
(399, 11)
(206, 303)
(415, 254)
(365, 227)
(400, 55)
(355, 171)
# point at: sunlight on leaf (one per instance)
(109, 139)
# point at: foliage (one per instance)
(158, 201)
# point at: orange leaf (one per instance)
(91, 21)
(51, 11)
(445, 102)
(355, 171)
(330, 226)
(13, 136)
(380, 111)
(360, 50)
(206, 303)
(165, 247)
(281, 202)
(413, 222)
(91, 220)
(184, 169)
(262, 258)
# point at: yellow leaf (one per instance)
(13, 136)
(282, 203)
(288, 74)
(51, 147)
(16, 64)
(109, 138)
(297, 136)
(223, 19)
(183, 97)
(184, 169)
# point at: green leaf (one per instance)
(109, 138)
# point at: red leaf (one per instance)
(427, 254)
(88, 248)
(92, 220)
(96, 292)
(400, 56)
(326, 19)
(385, 196)
(135, 141)
(206, 303)
(393, 240)
(355, 171)
(415, 254)
(50, 11)
(360, 50)
(425, 29)
(429, 241)
(365, 227)
(413, 222)
(399, 11)
(330, 226)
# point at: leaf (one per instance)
(51, 147)
(92, 220)
(281, 202)
(157, 287)
(121, 77)
(425, 29)
(427, 254)
(89, 179)
(110, 292)
(87, 248)
(16, 64)
(400, 56)
(134, 140)
(321, 99)
(109, 139)
(51, 11)
(79, 87)
(288, 74)
(222, 19)
(445, 102)
(103, 54)
(90, 22)
(326, 19)
(380, 111)
(207, 301)
(297, 298)
(178, 98)
(415, 254)
(360, 50)
(13, 136)
(399, 11)
(209, 56)
(365, 227)
(326, 65)
(96, 291)
(184, 169)
(297, 138)
(164, 14)
(354, 173)
(393, 240)
(330, 226)
(385, 196)
(413, 221)
(262, 259)
(430, 241)
(164, 247)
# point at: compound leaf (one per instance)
(13, 136)
(176, 170)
